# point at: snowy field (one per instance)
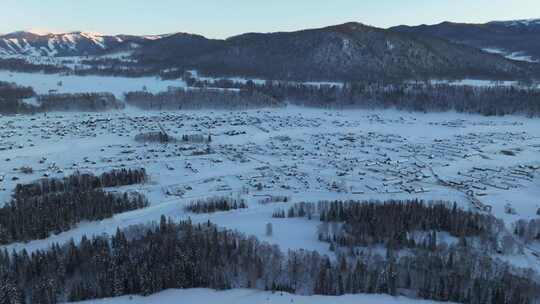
(487, 164)
(246, 296)
(480, 83)
(308, 155)
(44, 83)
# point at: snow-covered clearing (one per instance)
(475, 82)
(518, 56)
(44, 83)
(246, 296)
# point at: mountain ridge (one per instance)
(509, 38)
(77, 43)
(350, 51)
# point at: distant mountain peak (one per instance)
(156, 37)
(350, 26)
(20, 34)
(91, 34)
(521, 22)
(76, 43)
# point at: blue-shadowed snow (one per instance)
(247, 296)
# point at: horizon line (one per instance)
(41, 32)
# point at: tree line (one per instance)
(12, 101)
(150, 258)
(204, 98)
(55, 205)
(11, 98)
(230, 95)
(21, 65)
(80, 182)
(216, 204)
(36, 217)
(78, 102)
(397, 224)
(10, 90)
(419, 96)
(101, 67)
(528, 230)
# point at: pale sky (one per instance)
(224, 18)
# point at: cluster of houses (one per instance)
(301, 153)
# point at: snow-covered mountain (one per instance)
(514, 39)
(66, 44)
(345, 52)
(523, 23)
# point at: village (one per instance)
(300, 154)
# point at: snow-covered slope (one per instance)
(514, 39)
(66, 44)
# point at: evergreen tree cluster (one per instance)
(213, 83)
(21, 65)
(116, 67)
(230, 95)
(80, 182)
(302, 209)
(147, 259)
(10, 90)
(11, 96)
(78, 102)
(454, 274)
(488, 101)
(395, 223)
(102, 67)
(528, 230)
(36, 217)
(278, 213)
(204, 98)
(422, 97)
(53, 205)
(216, 204)
(274, 199)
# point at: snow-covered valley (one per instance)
(488, 165)
(269, 153)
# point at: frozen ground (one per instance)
(245, 296)
(309, 155)
(44, 83)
